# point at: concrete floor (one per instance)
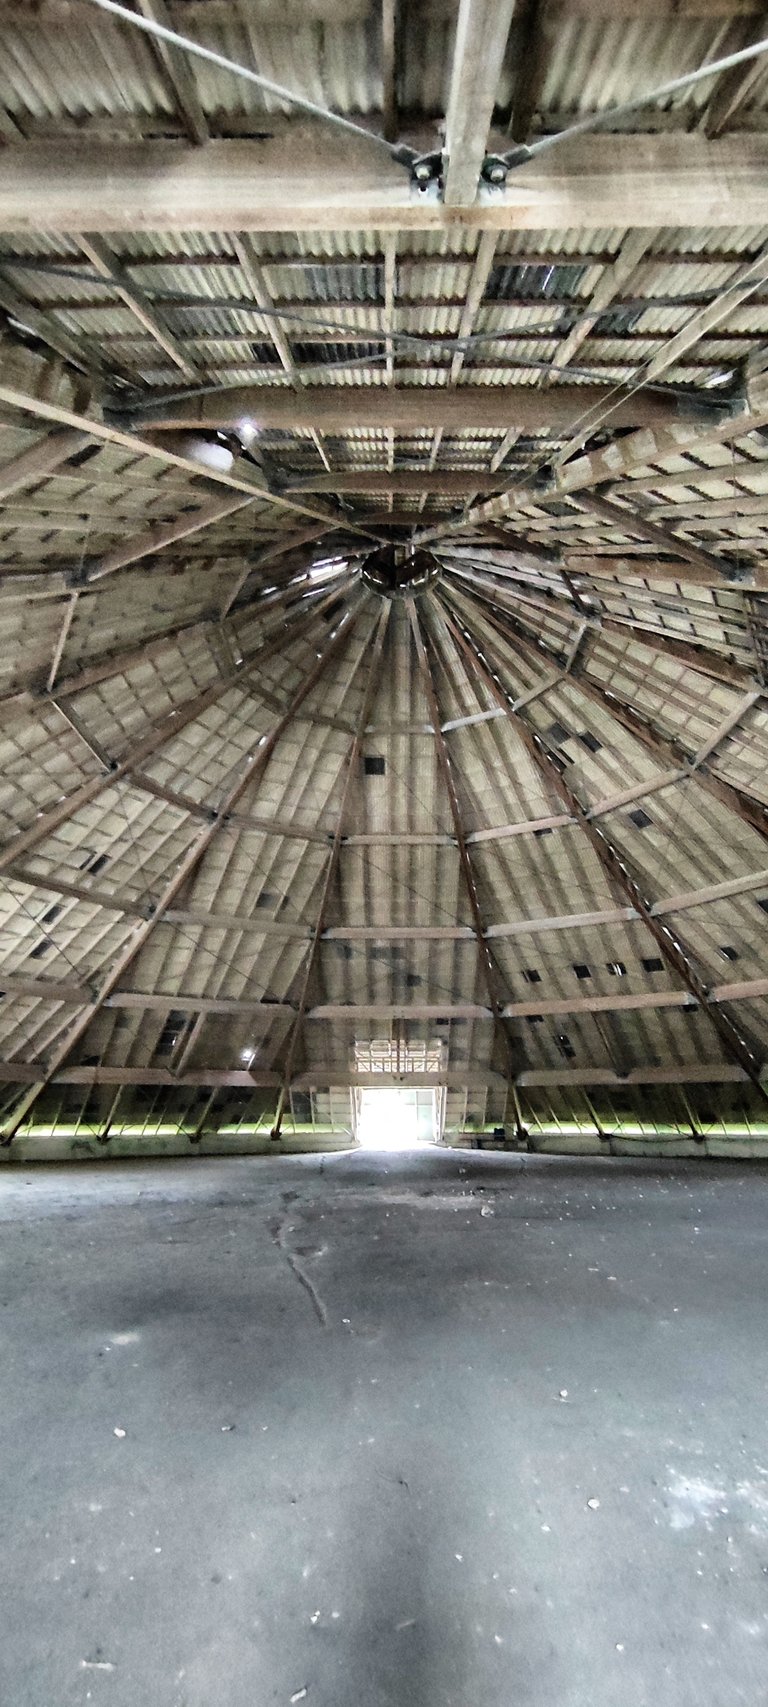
(442, 1430)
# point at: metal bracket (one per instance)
(496, 167)
(426, 170)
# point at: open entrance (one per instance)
(396, 1118)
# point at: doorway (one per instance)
(395, 1118)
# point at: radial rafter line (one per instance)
(113, 664)
(351, 764)
(630, 523)
(277, 548)
(490, 969)
(668, 750)
(182, 714)
(698, 655)
(156, 539)
(676, 955)
(254, 768)
(617, 516)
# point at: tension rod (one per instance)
(424, 168)
(496, 166)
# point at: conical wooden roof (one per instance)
(382, 571)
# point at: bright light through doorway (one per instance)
(395, 1119)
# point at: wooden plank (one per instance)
(41, 459)
(158, 1001)
(304, 177)
(404, 1010)
(158, 538)
(688, 898)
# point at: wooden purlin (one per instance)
(136, 941)
(487, 962)
(676, 955)
(350, 769)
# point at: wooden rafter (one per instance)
(248, 773)
(677, 956)
(185, 712)
(670, 752)
(332, 184)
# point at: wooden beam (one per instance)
(249, 262)
(158, 538)
(676, 955)
(698, 656)
(45, 326)
(253, 768)
(135, 301)
(338, 1075)
(623, 274)
(151, 1001)
(482, 29)
(487, 963)
(178, 70)
(351, 765)
(445, 482)
(534, 37)
(41, 459)
(667, 750)
(303, 177)
(733, 88)
(334, 408)
(632, 525)
(168, 727)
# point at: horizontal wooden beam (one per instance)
(303, 177)
(411, 482)
(339, 1076)
(140, 1001)
(333, 408)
